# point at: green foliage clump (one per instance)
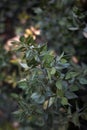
(64, 27)
(49, 84)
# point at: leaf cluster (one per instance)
(48, 84)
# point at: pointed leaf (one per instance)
(64, 101)
(53, 71)
(59, 84)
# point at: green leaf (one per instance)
(38, 10)
(51, 101)
(15, 96)
(32, 63)
(38, 98)
(17, 112)
(60, 93)
(83, 81)
(63, 61)
(43, 48)
(61, 56)
(24, 65)
(23, 84)
(70, 75)
(75, 119)
(22, 38)
(47, 59)
(59, 84)
(53, 71)
(37, 59)
(70, 95)
(74, 88)
(29, 40)
(73, 28)
(64, 101)
(49, 75)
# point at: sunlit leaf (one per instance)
(53, 71)
(24, 65)
(64, 101)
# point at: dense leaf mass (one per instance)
(47, 88)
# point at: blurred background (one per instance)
(62, 24)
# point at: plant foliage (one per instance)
(49, 84)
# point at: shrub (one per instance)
(49, 84)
